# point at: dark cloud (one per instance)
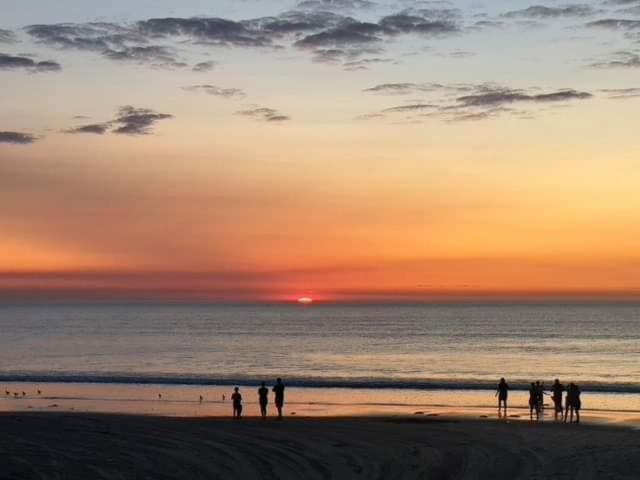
(137, 121)
(348, 33)
(159, 56)
(112, 41)
(128, 121)
(466, 102)
(616, 24)
(214, 31)
(406, 88)
(96, 36)
(7, 36)
(10, 62)
(540, 11)
(621, 59)
(365, 63)
(204, 66)
(216, 91)
(336, 4)
(17, 138)
(96, 128)
(409, 108)
(621, 93)
(423, 25)
(502, 96)
(264, 114)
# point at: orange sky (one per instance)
(341, 197)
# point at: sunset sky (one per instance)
(345, 150)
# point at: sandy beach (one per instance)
(83, 446)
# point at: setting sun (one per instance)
(305, 300)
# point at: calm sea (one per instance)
(426, 347)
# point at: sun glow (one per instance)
(305, 300)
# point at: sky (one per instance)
(345, 150)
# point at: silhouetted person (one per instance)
(201, 398)
(278, 389)
(263, 399)
(539, 399)
(533, 401)
(573, 403)
(577, 402)
(236, 398)
(556, 395)
(502, 393)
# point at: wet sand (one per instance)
(72, 445)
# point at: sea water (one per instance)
(355, 357)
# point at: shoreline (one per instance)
(108, 446)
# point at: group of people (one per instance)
(572, 402)
(263, 399)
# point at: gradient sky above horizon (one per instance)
(342, 149)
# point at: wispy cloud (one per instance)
(467, 102)
(204, 66)
(543, 12)
(7, 36)
(216, 91)
(620, 59)
(17, 138)
(128, 121)
(11, 62)
(264, 114)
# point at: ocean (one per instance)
(406, 354)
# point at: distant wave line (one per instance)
(315, 382)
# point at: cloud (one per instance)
(540, 11)
(95, 36)
(96, 128)
(17, 138)
(214, 31)
(264, 114)
(423, 25)
(7, 36)
(621, 93)
(348, 33)
(216, 91)
(620, 59)
(128, 121)
(466, 102)
(204, 66)
(336, 4)
(365, 63)
(159, 56)
(409, 108)
(615, 24)
(10, 62)
(501, 96)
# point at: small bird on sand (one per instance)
(24, 394)
(7, 392)
(15, 394)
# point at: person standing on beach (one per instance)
(533, 401)
(263, 399)
(502, 393)
(236, 398)
(556, 396)
(278, 389)
(573, 403)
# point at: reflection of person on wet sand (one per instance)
(502, 393)
(263, 399)
(278, 389)
(237, 403)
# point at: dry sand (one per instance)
(93, 446)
